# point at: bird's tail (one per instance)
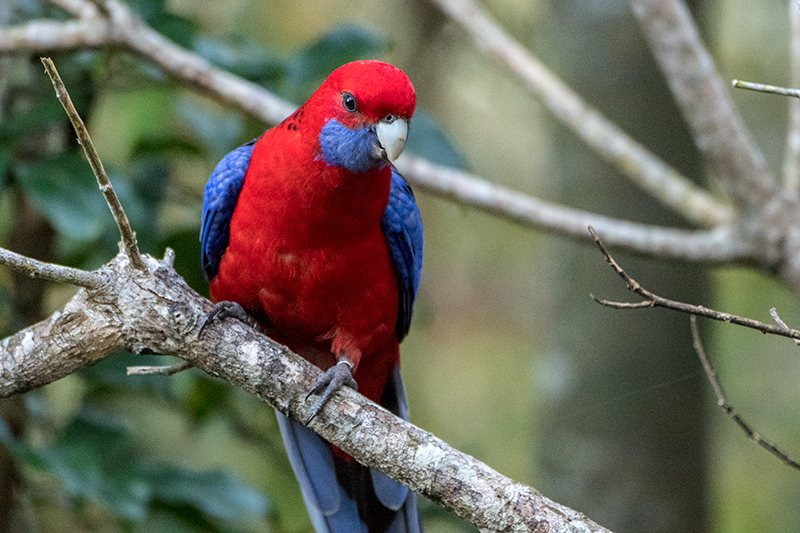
(342, 495)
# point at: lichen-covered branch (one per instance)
(50, 271)
(158, 313)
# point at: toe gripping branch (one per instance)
(227, 309)
(333, 379)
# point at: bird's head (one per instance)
(365, 108)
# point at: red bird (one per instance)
(312, 232)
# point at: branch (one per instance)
(602, 135)
(714, 246)
(654, 300)
(722, 401)
(159, 313)
(127, 234)
(49, 271)
(718, 130)
(763, 88)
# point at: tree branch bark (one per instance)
(719, 132)
(157, 312)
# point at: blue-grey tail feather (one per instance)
(348, 497)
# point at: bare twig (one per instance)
(653, 300)
(169, 370)
(722, 401)
(127, 234)
(764, 88)
(718, 131)
(50, 271)
(774, 314)
(602, 135)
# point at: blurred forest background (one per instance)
(508, 358)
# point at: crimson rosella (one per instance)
(313, 233)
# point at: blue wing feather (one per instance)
(402, 226)
(219, 201)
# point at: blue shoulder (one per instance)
(402, 226)
(219, 201)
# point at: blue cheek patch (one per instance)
(351, 149)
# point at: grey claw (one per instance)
(338, 376)
(226, 309)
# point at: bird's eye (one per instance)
(349, 102)
(389, 119)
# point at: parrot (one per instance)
(311, 233)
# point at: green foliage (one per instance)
(95, 459)
(427, 140)
(72, 205)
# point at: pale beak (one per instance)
(392, 133)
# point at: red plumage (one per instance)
(307, 255)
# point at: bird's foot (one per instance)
(333, 379)
(227, 309)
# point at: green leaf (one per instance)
(5, 166)
(186, 245)
(92, 460)
(63, 189)
(176, 28)
(217, 494)
(425, 139)
(20, 124)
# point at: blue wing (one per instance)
(219, 201)
(402, 226)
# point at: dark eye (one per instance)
(349, 102)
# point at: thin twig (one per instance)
(127, 234)
(169, 370)
(631, 158)
(764, 88)
(657, 301)
(778, 320)
(722, 401)
(50, 271)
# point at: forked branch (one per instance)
(650, 299)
